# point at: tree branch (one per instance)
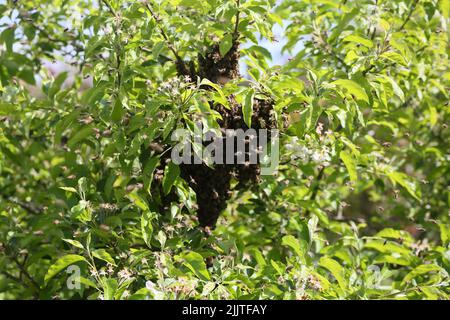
(408, 17)
(236, 26)
(316, 188)
(24, 205)
(162, 32)
(25, 272)
(181, 65)
(106, 3)
(12, 277)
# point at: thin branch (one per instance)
(365, 72)
(236, 26)
(12, 277)
(106, 3)
(339, 59)
(72, 39)
(408, 17)
(330, 50)
(163, 33)
(316, 188)
(25, 272)
(119, 73)
(181, 65)
(118, 47)
(373, 66)
(19, 281)
(24, 205)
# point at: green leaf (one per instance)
(221, 99)
(421, 270)
(57, 83)
(82, 211)
(445, 233)
(147, 172)
(247, 107)
(195, 262)
(102, 254)
(300, 247)
(277, 267)
(162, 238)
(387, 247)
(259, 257)
(357, 39)
(433, 115)
(444, 8)
(397, 90)
(156, 50)
(7, 37)
(261, 50)
(75, 243)
(394, 57)
(7, 109)
(171, 174)
(395, 87)
(342, 24)
(63, 124)
(208, 287)
(69, 189)
(93, 95)
(27, 74)
(335, 269)
(110, 287)
(82, 185)
(390, 233)
(118, 111)
(147, 227)
(403, 180)
(350, 164)
(87, 282)
(138, 201)
(393, 259)
(226, 44)
(353, 88)
(80, 135)
(61, 264)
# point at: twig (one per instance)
(18, 280)
(181, 67)
(236, 26)
(28, 207)
(12, 277)
(365, 72)
(408, 17)
(106, 3)
(163, 33)
(339, 59)
(316, 188)
(25, 272)
(329, 49)
(118, 46)
(119, 73)
(52, 38)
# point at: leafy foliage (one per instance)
(359, 206)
